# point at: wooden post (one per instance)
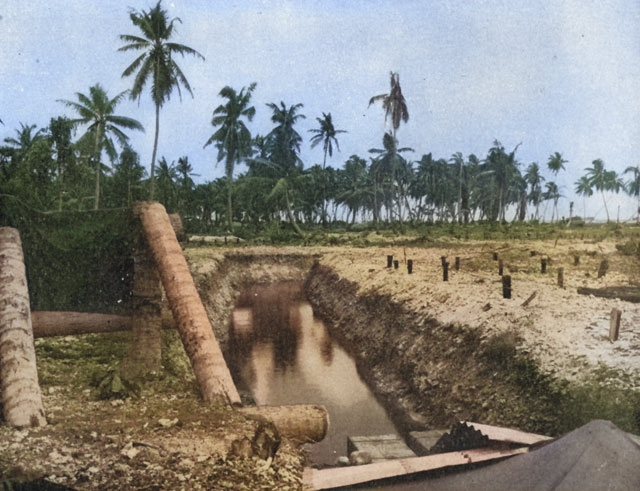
(409, 266)
(506, 286)
(20, 396)
(443, 259)
(614, 325)
(500, 267)
(543, 265)
(561, 277)
(396, 264)
(604, 267)
(576, 259)
(457, 263)
(389, 260)
(495, 256)
(445, 271)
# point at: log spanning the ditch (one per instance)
(19, 389)
(303, 423)
(200, 344)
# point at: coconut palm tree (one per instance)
(325, 134)
(552, 193)
(556, 163)
(534, 179)
(583, 188)
(393, 103)
(633, 186)
(96, 111)
(156, 65)
(232, 138)
(603, 180)
(279, 161)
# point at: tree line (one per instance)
(87, 162)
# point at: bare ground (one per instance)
(167, 439)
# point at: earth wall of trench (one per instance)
(429, 375)
(426, 375)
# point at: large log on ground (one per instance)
(20, 393)
(200, 344)
(59, 323)
(627, 293)
(302, 423)
(49, 323)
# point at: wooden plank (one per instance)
(509, 435)
(316, 479)
(380, 447)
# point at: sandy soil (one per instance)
(568, 333)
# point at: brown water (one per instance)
(282, 354)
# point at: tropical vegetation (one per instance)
(86, 161)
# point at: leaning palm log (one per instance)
(19, 389)
(304, 423)
(200, 344)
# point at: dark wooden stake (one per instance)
(543, 265)
(457, 263)
(389, 261)
(396, 263)
(409, 266)
(604, 267)
(561, 277)
(506, 286)
(495, 256)
(443, 259)
(500, 267)
(576, 260)
(445, 271)
(614, 325)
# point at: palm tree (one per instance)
(232, 138)
(325, 134)
(583, 188)
(156, 64)
(386, 166)
(552, 193)
(603, 180)
(393, 103)
(97, 111)
(633, 186)
(534, 180)
(556, 163)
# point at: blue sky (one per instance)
(553, 75)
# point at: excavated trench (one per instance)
(425, 375)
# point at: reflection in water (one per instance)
(282, 354)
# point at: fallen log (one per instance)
(210, 369)
(58, 323)
(627, 293)
(20, 394)
(301, 423)
(316, 479)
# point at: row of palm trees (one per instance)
(387, 186)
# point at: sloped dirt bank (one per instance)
(430, 375)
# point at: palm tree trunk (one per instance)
(20, 393)
(606, 210)
(152, 176)
(229, 169)
(145, 356)
(97, 152)
(200, 344)
(292, 219)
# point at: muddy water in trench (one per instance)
(282, 354)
